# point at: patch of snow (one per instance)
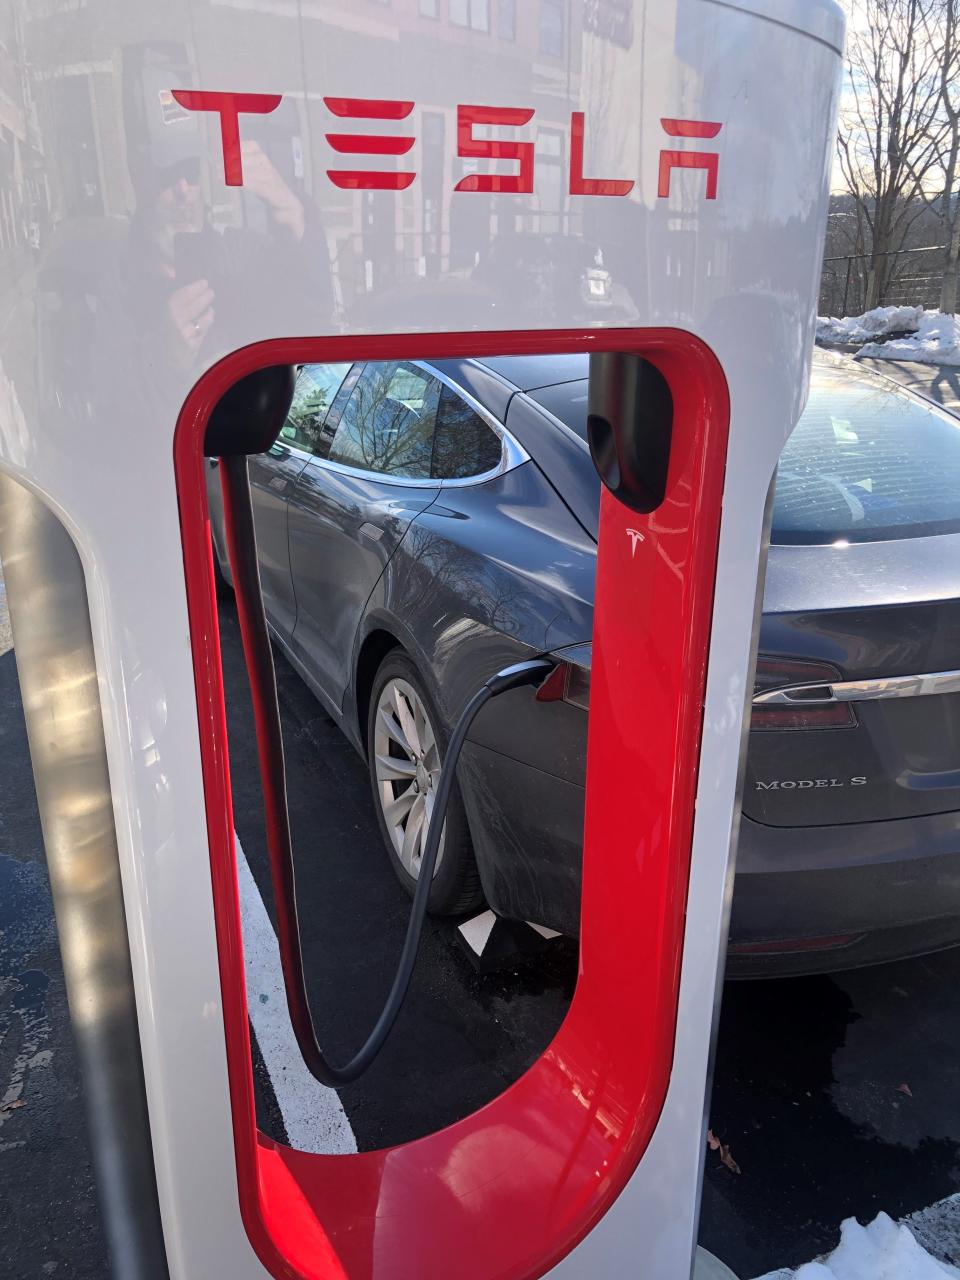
(883, 1250)
(936, 341)
(872, 324)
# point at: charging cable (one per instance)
(258, 655)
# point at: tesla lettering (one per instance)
(670, 160)
(230, 106)
(370, 144)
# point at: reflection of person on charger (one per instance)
(178, 214)
(168, 288)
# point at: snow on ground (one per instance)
(936, 341)
(883, 1250)
(927, 337)
(872, 324)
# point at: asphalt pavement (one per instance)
(50, 1224)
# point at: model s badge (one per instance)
(809, 784)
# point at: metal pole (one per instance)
(50, 618)
(846, 286)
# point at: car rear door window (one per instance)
(387, 425)
(866, 463)
(463, 444)
(316, 389)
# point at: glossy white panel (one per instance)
(101, 345)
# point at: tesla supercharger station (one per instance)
(229, 186)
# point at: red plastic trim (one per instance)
(493, 149)
(369, 180)
(670, 160)
(229, 107)
(369, 144)
(369, 108)
(507, 1192)
(690, 128)
(581, 186)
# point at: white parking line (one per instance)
(314, 1117)
(312, 1114)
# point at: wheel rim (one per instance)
(407, 769)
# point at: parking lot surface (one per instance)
(832, 1096)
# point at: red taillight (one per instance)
(567, 682)
(790, 694)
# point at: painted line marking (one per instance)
(313, 1115)
(477, 930)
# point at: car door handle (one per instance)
(864, 690)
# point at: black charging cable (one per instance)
(242, 550)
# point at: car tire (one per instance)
(399, 692)
(223, 587)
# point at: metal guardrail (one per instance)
(914, 289)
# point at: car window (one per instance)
(316, 389)
(388, 423)
(866, 463)
(463, 444)
(566, 401)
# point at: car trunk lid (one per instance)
(871, 753)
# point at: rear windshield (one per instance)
(566, 401)
(866, 463)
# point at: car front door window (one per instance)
(316, 389)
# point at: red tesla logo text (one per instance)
(230, 106)
(370, 144)
(708, 160)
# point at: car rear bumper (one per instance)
(816, 899)
(806, 899)
(527, 832)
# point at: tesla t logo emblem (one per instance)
(635, 536)
(230, 106)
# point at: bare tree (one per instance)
(942, 32)
(891, 126)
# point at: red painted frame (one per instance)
(508, 1191)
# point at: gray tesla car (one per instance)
(421, 526)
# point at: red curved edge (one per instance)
(505, 1193)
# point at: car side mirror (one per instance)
(249, 417)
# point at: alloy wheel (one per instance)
(407, 769)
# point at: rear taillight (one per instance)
(789, 694)
(568, 682)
